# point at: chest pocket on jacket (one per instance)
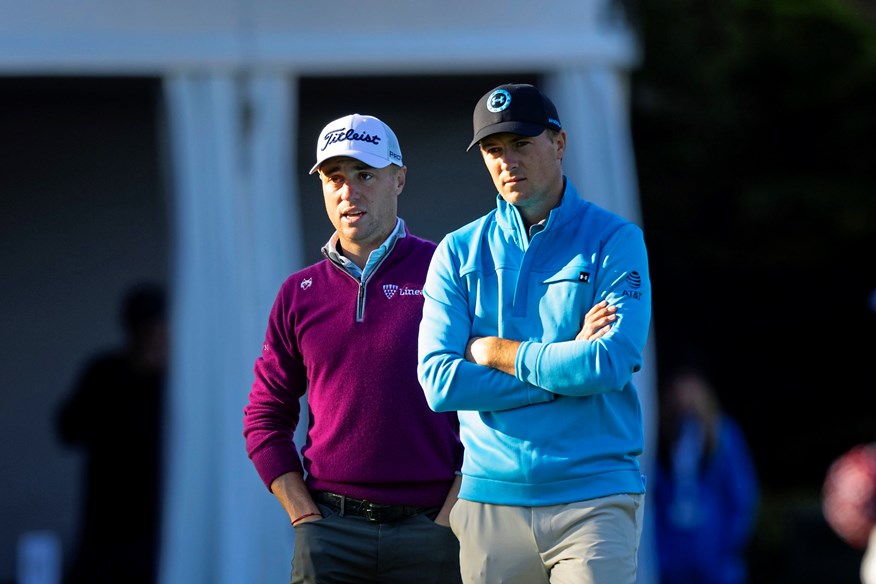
(566, 295)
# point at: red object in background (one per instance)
(849, 495)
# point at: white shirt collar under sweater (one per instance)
(330, 249)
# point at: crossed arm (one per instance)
(500, 353)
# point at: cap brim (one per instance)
(367, 158)
(522, 128)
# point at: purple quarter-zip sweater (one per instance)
(353, 348)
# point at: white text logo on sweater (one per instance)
(305, 284)
(391, 289)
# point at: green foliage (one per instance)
(754, 124)
(756, 115)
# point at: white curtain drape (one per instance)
(593, 103)
(231, 150)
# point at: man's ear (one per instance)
(561, 144)
(400, 177)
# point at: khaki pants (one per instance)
(586, 542)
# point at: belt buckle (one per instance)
(374, 513)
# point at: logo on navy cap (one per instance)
(499, 100)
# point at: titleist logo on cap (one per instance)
(334, 136)
(362, 137)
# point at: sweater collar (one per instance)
(570, 205)
(330, 250)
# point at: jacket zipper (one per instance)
(360, 295)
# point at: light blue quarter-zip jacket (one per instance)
(568, 426)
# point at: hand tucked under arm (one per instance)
(501, 353)
(597, 321)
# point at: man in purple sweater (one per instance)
(370, 496)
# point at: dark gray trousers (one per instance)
(352, 550)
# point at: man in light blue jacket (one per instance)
(535, 319)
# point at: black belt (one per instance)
(373, 512)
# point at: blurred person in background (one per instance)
(706, 490)
(849, 503)
(370, 503)
(114, 415)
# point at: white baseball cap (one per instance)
(364, 138)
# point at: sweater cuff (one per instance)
(272, 463)
(525, 364)
(526, 360)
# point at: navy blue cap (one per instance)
(516, 108)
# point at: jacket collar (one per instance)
(570, 206)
